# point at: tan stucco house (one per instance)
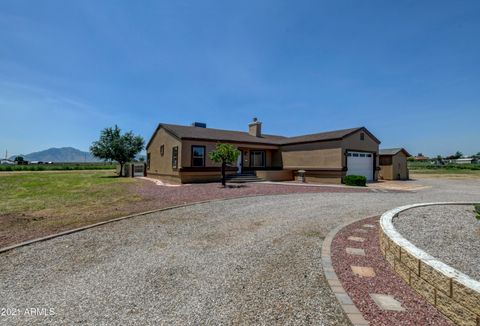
(393, 164)
(180, 154)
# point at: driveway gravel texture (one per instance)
(250, 260)
(450, 233)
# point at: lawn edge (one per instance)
(346, 303)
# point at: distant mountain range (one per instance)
(64, 154)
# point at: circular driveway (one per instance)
(240, 261)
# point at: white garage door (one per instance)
(360, 164)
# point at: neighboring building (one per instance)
(465, 160)
(393, 164)
(7, 162)
(420, 157)
(180, 154)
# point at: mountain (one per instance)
(64, 154)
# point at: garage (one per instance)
(360, 163)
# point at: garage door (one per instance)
(360, 164)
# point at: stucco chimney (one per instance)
(255, 128)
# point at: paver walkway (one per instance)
(381, 296)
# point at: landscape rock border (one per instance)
(453, 293)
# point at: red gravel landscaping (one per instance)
(417, 311)
(163, 196)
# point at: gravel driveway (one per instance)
(241, 261)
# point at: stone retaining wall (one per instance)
(454, 294)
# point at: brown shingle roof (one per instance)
(219, 134)
(329, 135)
(190, 132)
(392, 151)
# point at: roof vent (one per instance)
(199, 124)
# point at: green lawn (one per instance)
(58, 166)
(38, 203)
(444, 170)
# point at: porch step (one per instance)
(242, 178)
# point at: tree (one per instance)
(19, 159)
(114, 146)
(224, 154)
(458, 154)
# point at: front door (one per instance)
(239, 163)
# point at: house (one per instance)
(465, 160)
(7, 162)
(393, 164)
(180, 154)
(420, 157)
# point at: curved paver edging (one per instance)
(89, 226)
(352, 312)
(454, 294)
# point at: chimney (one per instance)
(255, 128)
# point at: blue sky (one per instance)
(407, 70)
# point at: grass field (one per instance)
(37, 203)
(58, 167)
(448, 170)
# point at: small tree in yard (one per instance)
(114, 146)
(224, 154)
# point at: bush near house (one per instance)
(355, 180)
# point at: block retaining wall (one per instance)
(454, 294)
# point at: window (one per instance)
(385, 160)
(362, 136)
(355, 154)
(257, 159)
(198, 155)
(369, 155)
(175, 157)
(349, 154)
(148, 161)
(362, 155)
(162, 150)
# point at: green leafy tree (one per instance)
(19, 159)
(224, 154)
(113, 146)
(458, 154)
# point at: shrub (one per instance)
(477, 210)
(355, 180)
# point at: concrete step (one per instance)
(242, 178)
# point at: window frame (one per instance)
(386, 160)
(162, 150)
(192, 157)
(263, 159)
(175, 157)
(362, 136)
